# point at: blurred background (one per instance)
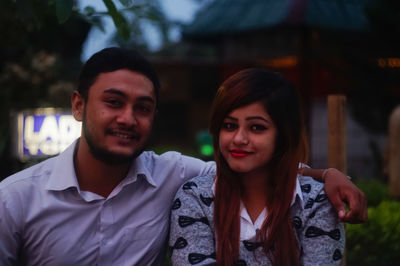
(349, 47)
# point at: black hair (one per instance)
(112, 59)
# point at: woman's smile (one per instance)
(239, 153)
(247, 138)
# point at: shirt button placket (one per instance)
(106, 221)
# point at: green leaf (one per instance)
(126, 3)
(94, 21)
(89, 10)
(119, 20)
(64, 9)
(25, 10)
(152, 16)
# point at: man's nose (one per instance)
(127, 117)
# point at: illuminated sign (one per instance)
(392, 62)
(205, 143)
(45, 132)
(282, 62)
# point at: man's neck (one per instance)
(94, 175)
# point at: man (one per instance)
(103, 201)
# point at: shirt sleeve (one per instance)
(191, 235)
(9, 235)
(303, 165)
(322, 237)
(192, 167)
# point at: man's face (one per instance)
(118, 115)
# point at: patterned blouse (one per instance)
(192, 237)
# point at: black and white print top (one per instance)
(192, 237)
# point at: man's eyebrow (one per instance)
(146, 99)
(122, 94)
(115, 91)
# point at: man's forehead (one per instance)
(124, 79)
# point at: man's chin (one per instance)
(110, 157)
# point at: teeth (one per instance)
(122, 135)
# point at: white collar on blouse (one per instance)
(248, 230)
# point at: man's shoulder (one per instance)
(41, 170)
(30, 174)
(167, 155)
(151, 159)
(171, 159)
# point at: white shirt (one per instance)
(47, 218)
(248, 229)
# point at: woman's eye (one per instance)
(229, 126)
(258, 128)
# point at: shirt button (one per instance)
(141, 176)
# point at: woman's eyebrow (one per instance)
(250, 118)
(258, 118)
(231, 118)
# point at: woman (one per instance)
(256, 211)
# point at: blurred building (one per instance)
(323, 47)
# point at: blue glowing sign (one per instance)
(45, 133)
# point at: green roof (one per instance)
(234, 16)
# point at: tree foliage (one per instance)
(40, 61)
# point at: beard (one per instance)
(104, 155)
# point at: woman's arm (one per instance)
(191, 236)
(341, 191)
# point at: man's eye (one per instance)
(143, 109)
(113, 102)
(229, 126)
(258, 127)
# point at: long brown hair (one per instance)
(281, 101)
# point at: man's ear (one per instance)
(78, 105)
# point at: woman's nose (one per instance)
(241, 137)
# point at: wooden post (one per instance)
(394, 153)
(337, 136)
(337, 132)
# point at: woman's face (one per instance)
(247, 139)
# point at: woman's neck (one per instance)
(255, 194)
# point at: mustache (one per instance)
(124, 130)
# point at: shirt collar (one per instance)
(248, 229)
(140, 169)
(63, 175)
(297, 192)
